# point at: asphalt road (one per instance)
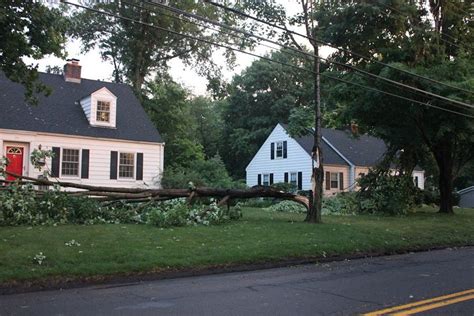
(338, 288)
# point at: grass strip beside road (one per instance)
(260, 236)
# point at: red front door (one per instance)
(15, 161)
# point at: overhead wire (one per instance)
(298, 52)
(359, 55)
(258, 56)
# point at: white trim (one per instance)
(26, 153)
(19, 131)
(466, 190)
(352, 167)
(61, 176)
(134, 176)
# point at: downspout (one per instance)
(352, 169)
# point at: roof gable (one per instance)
(363, 150)
(61, 112)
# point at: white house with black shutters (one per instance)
(283, 158)
(98, 132)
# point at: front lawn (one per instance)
(259, 236)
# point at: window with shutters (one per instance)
(103, 111)
(266, 179)
(334, 180)
(294, 178)
(279, 150)
(70, 162)
(126, 165)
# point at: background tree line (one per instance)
(219, 134)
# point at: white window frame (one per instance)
(276, 149)
(97, 111)
(331, 180)
(78, 163)
(296, 178)
(263, 179)
(133, 166)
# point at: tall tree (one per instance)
(167, 104)
(412, 43)
(261, 96)
(304, 19)
(137, 50)
(29, 29)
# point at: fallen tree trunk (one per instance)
(137, 194)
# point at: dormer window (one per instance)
(100, 108)
(103, 111)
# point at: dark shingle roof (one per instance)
(361, 151)
(61, 112)
(330, 156)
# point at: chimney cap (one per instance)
(73, 60)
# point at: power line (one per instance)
(243, 38)
(330, 45)
(258, 56)
(176, 10)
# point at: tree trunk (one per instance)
(314, 213)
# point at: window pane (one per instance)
(103, 111)
(126, 165)
(266, 179)
(293, 178)
(70, 162)
(279, 149)
(334, 180)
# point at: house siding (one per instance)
(297, 160)
(86, 107)
(99, 156)
(336, 169)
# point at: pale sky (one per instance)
(93, 67)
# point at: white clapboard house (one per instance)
(98, 131)
(282, 158)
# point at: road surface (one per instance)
(443, 280)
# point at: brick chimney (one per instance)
(72, 71)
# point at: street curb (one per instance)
(125, 279)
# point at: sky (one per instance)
(93, 67)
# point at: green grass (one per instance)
(259, 236)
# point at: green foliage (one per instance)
(345, 203)
(285, 187)
(288, 207)
(206, 173)
(263, 95)
(18, 206)
(136, 50)
(381, 192)
(29, 30)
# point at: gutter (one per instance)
(352, 170)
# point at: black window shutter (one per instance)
(328, 180)
(85, 164)
(113, 165)
(300, 180)
(271, 178)
(259, 179)
(55, 162)
(341, 181)
(272, 151)
(139, 166)
(286, 177)
(285, 151)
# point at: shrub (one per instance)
(384, 193)
(288, 207)
(206, 173)
(344, 203)
(285, 187)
